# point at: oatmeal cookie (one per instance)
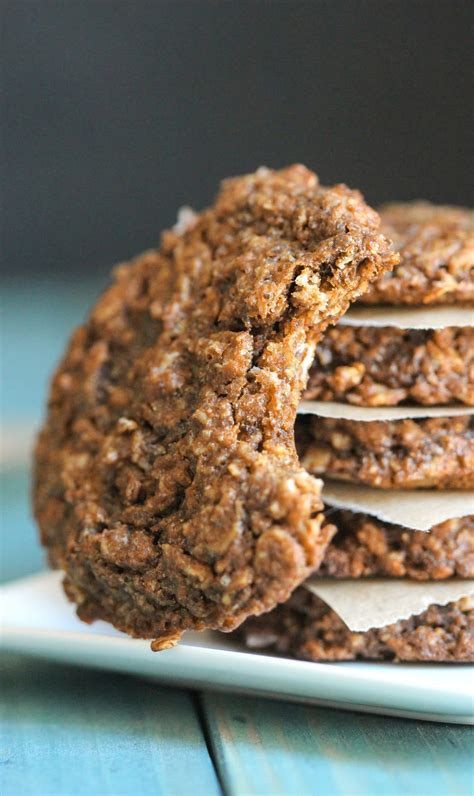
(307, 628)
(371, 366)
(365, 546)
(436, 244)
(167, 485)
(436, 452)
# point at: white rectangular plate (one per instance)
(37, 620)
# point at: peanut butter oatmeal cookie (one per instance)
(371, 366)
(167, 485)
(436, 244)
(436, 452)
(365, 546)
(307, 628)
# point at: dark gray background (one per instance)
(116, 113)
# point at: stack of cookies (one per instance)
(389, 426)
(168, 487)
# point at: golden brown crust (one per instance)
(435, 452)
(436, 244)
(364, 546)
(385, 367)
(167, 484)
(306, 628)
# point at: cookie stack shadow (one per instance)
(388, 422)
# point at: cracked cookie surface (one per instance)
(167, 485)
(435, 452)
(367, 366)
(436, 245)
(307, 628)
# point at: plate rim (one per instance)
(348, 685)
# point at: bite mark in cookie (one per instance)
(167, 485)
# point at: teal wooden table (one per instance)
(66, 730)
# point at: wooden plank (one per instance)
(269, 747)
(68, 731)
